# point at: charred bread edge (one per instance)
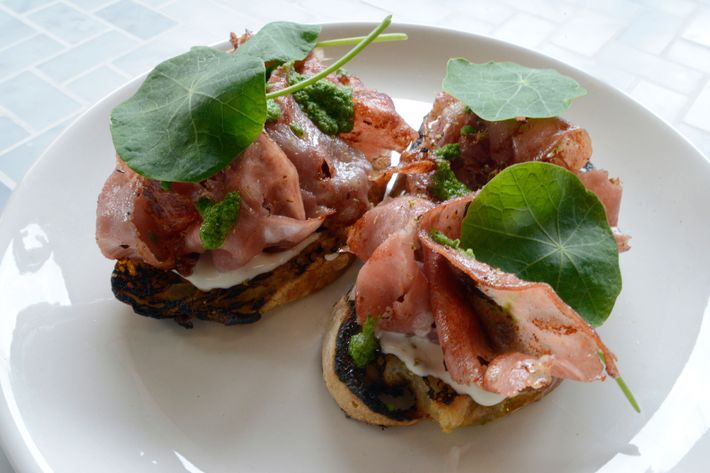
(345, 380)
(434, 398)
(164, 294)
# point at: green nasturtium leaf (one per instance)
(497, 91)
(281, 41)
(192, 115)
(537, 220)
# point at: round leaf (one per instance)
(498, 91)
(192, 115)
(282, 41)
(538, 221)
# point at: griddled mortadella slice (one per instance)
(378, 223)
(535, 321)
(391, 283)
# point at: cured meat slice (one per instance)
(378, 223)
(542, 323)
(608, 190)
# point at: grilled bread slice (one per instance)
(165, 294)
(386, 393)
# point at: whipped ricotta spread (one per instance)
(425, 358)
(206, 276)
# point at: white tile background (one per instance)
(57, 57)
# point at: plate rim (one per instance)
(17, 451)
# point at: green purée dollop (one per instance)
(444, 183)
(329, 106)
(363, 345)
(218, 218)
(273, 111)
(449, 152)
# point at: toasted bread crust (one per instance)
(342, 377)
(165, 294)
(360, 392)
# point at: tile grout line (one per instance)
(694, 127)
(119, 71)
(66, 120)
(153, 9)
(32, 64)
(109, 25)
(62, 86)
(705, 83)
(116, 27)
(92, 15)
(40, 62)
(19, 121)
(690, 97)
(679, 36)
(5, 179)
(31, 10)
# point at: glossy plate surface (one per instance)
(87, 386)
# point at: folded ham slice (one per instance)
(137, 219)
(390, 216)
(608, 190)
(391, 283)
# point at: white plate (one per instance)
(89, 387)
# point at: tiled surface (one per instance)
(10, 132)
(57, 57)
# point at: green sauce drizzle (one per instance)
(329, 106)
(449, 152)
(467, 130)
(296, 129)
(273, 111)
(444, 183)
(442, 239)
(218, 218)
(363, 345)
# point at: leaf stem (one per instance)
(623, 386)
(383, 38)
(627, 392)
(337, 64)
